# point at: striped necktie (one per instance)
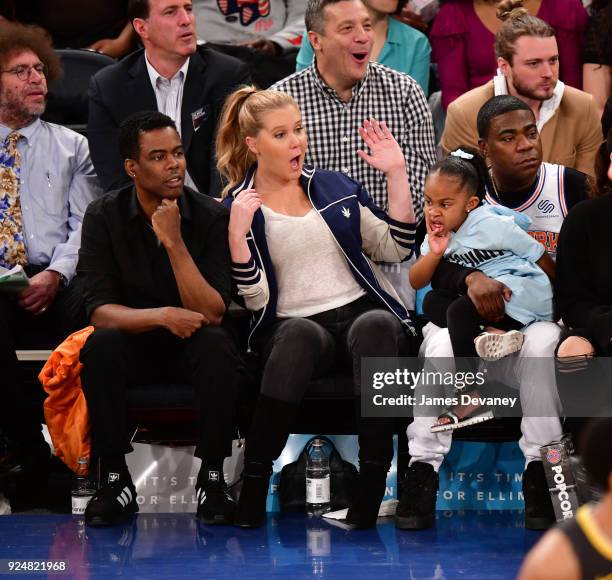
(12, 245)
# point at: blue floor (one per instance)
(462, 545)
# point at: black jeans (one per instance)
(296, 350)
(114, 360)
(20, 407)
(584, 384)
(447, 309)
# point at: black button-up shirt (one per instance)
(122, 261)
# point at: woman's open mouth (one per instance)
(295, 162)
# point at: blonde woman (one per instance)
(303, 241)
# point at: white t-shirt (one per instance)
(311, 272)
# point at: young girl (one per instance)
(493, 240)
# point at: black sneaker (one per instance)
(417, 507)
(539, 511)
(215, 506)
(113, 503)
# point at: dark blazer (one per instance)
(124, 88)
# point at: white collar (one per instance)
(154, 75)
(549, 106)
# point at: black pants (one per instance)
(584, 384)
(296, 350)
(20, 407)
(447, 309)
(114, 360)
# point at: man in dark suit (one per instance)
(172, 75)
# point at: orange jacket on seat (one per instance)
(65, 407)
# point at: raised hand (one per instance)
(385, 153)
(245, 205)
(166, 222)
(437, 236)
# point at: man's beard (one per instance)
(528, 93)
(12, 108)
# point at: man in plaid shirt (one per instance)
(342, 88)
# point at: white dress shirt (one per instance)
(169, 96)
(58, 181)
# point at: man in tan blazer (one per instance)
(528, 61)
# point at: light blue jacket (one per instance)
(494, 240)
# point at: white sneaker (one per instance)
(491, 346)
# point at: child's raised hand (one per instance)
(437, 237)
(438, 243)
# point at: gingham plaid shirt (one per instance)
(333, 139)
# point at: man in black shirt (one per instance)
(155, 261)
(545, 192)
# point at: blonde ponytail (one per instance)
(241, 118)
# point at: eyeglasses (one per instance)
(24, 71)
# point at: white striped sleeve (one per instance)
(386, 240)
(246, 273)
(252, 284)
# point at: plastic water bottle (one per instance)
(317, 480)
(83, 489)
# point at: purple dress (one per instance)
(464, 49)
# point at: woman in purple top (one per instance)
(463, 36)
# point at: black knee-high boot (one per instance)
(375, 455)
(266, 439)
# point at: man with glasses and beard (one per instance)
(46, 182)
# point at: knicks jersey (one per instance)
(546, 206)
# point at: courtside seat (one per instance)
(167, 413)
(68, 98)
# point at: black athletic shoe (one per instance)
(539, 511)
(113, 503)
(417, 507)
(215, 506)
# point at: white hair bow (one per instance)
(461, 153)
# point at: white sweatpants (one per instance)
(537, 389)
